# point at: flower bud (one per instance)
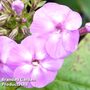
(3, 31)
(3, 19)
(24, 20)
(87, 26)
(25, 31)
(18, 6)
(14, 33)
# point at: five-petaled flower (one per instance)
(59, 25)
(33, 62)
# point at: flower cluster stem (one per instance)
(83, 31)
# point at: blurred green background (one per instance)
(75, 73)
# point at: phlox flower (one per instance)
(34, 63)
(58, 25)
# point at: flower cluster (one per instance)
(55, 35)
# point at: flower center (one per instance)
(35, 62)
(58, 28)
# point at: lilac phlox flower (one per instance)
(6, 71)
(59, 25)
(87, 26)
(35, 66)
(17, 6)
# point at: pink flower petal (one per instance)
(47, 17)
(40, 25)
(6, 44)
(73, 21)
(23, 55)
(52, 64)
(23, 73)
(37, 44)
(70, 40)
(42, 77)
(56, 12)
(54, 46)
(5, 72)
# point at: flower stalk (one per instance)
(85, 30)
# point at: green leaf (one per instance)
(70, 3)
(1, 87)
(75, 73)
(8, 86)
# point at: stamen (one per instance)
(35, 62)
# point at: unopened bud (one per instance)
(17, 6)
(84, 30)
(25, 30)
(3, 19)
(6, 6)
(87, 26)
(24, 20)
(14, 33)
(3, 31)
